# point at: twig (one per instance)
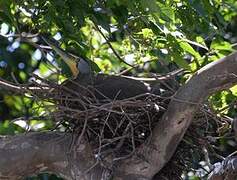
(111, 47)
(22, 88)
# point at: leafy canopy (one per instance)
(139, 30)
(146, 36)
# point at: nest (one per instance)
(110, 126)
(118, 127)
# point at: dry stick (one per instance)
(135, 66)
(102, 132)
(159, 78)
(106, 120)
(23, 88)
(121, 142)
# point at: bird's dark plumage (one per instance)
(108, 86)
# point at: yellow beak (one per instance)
(68, 59)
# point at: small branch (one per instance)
(157, 77)
(20, 89)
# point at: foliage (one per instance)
(150, 36)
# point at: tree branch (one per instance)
(32, 153)
(226, 169)
(171, 128)
(42, 151)
(21, 88)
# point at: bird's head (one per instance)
(76, 64)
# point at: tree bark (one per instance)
(170, 130)
(32, 153)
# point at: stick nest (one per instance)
(110, 125)
(118, 127)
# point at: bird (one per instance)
(104, 86)
(75, 63)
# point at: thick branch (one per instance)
(41, 151)
(171, 128)
(47, 151)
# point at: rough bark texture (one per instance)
(32, 153)
(170, 130)
(25, 154)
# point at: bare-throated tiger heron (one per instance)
(106, 86)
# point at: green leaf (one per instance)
(181, 62)
(150, 5)
(167, 13)
(121, 14)
(234, 90)
(221, 45)
(186, 47)
(147, 33)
